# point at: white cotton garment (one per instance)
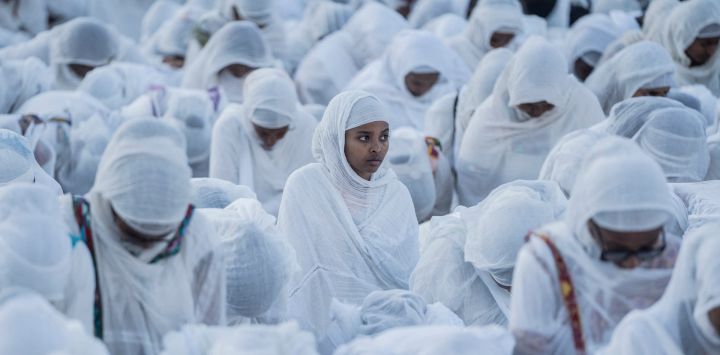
(590, 34)
(680, 27)
(488, 17)
(498, 146)
(118, 84)
(447, 26)
(237, 153)
(628, 116)
(157, 15)
(624, 189)
(19, 164)
(328, 68)
(435, 340)
(258, 264)
(235, 43)
(23, 79)
(676, 139)
(409, 159)
(262, 13)
(645, 65)
(24, 316)
(473, 250)
(410, 51)
(173, 37)
(562, 164)
(368, 237)
(192, 112)
(679, 322)
(217, 193)
(382, 311)
(84, 41)
(36, 248)
(198, 339)
(144, 179)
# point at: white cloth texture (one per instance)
(701, 202)
(447, 26)
(498, 146)
(237, 154)
(217, 193)
(607, 6)
(679, 28)
(637, 66)
(23, 79)
(173, 37)
(260, 12)
(119, 84)
(84, 41)
(562, 164)
(282, 339)
(435, 340)
(679, 322)
(590, 34)
(628, 116)
(144, 179)
(473, 250)
(367, 240)
(409, 159)
(258, 262)
(333, 62)
(675, 138)
(380, 312)
(235, 43)
(157, 15)
(385, 78)
(425, 11)
(19, 164)
(25, 316)
(488, 17)
(192, 111)
(621, 184)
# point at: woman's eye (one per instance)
(364, 138)
(384, 137)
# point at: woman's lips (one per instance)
(374, 162)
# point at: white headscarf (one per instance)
(641, 65)
(498, 146)
(192, 112)
(23, 79)
(216, 193)
(410, 51)
(678, 323)
(425, 11)
(372, 221)
(474, 250)
(562, 164)
(83, 41)
(679, 28)
(333, 62)
(119, 84)
(625, 190)
(36, 247)
(628, 116)
(157, 15)
(447, 26)
(173, 37)
(237, 154)
(144, 179)
(675, 138)
(24, 316)
(588, 38)
(235, 43)
(488, 17)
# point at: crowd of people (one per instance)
(215, 177)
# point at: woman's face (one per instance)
(702, 50)
(81, 70)
(582, 70)
(239, 70)
(419, 84)
(658, 92)
(270, 136)
(366, 147)
(714, 316)
(536, 109)
(614, 242)
(132, 236)
(174, 61)
(501, 39)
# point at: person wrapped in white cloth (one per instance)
(577, 278)
(641, 69)
(473, 250)
(158, 265)
(416, 70)
(690, 31)
(259, 143)
(586, 42)
(686, 320)
(217, 193)
(493, 24)
(19, 164)
(232, 53)
(350, 220)
(533, 105)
